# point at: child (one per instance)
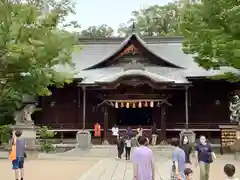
(229, 170)
(188, 174)
(128, 145)
(17, 155)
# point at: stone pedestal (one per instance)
(30, 137)
(190, 134)
(83, 139)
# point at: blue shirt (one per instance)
(204, 152)
(20, 147)
(178, 155)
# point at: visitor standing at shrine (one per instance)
(154, 134)
(115, 131)
(129, 131)
(143, 163)
(187, 148)
(139, 131)
(204, 157)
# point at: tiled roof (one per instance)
(97, 50)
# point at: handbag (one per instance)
(25, 155)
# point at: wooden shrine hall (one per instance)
(137, 81)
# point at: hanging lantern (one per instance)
(127, 105)
(122, 105)
(151, 104)
(139, 104)
(158, 104)
(116, 104)
(134, 105)
(146, 104)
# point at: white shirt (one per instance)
(128, 143)
(140, 131)
(115, 131)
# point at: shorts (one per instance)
(18, 163)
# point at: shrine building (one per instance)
(137, 81)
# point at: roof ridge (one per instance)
(119, 40)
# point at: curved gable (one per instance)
(133, 45)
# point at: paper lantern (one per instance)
(127, 105)
(151, 104)
(134, 105)
(122, 105)
(116, 105)
(139, 104)
(146, 104)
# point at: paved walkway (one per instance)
(111, 169)
(49, 169)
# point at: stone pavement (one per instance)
(111, 169)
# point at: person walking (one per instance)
(204, 157)
(178, 159)
(143, 163)
(120, 147)
(187, 148)
(154, 134)
(17, 155)
(128, 146)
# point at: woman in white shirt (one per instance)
(115, 131)
(139, 131)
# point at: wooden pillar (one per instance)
(78, 103)
(186, 107)
(84, 107)
(163, 123)
(105, 125)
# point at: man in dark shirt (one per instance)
(204, 156)
(154, 134)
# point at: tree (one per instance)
(211, 32)
(98, 31)
(32, 46)
(154, 21)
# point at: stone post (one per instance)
(83, 139)
(190, 134)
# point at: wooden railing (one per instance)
(172, 126)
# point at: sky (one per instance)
(110, 12)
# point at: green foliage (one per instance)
(98, 31)
(211, 31)
(45, 134)
(4, 134)
(32, 47)
(155, 20)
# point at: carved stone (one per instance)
(24, 116)
(234, 107)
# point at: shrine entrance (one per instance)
(134, 116)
